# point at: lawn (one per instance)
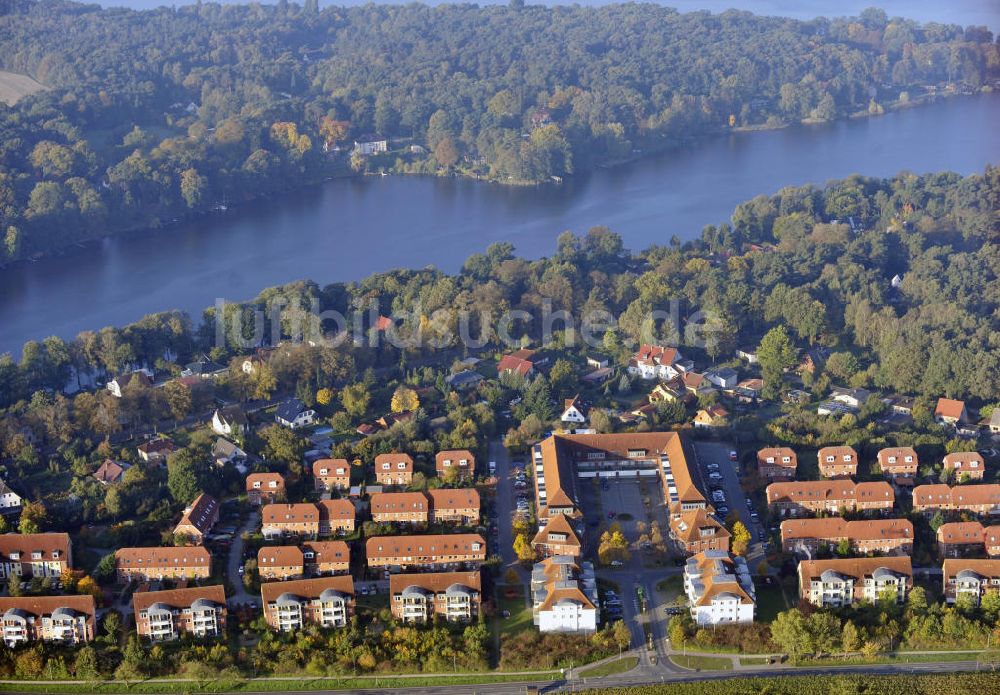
(673, 584)
(520, 613)
(702, 663)
(893, 659)
(265, 685)
(770, 600)
(611, 668)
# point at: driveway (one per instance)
(235, 560)
(718, 453)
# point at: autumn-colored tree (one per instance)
(86, 585)
(446, 153)
(741, 538)
(405, 400)
(613, 546)
(193, 187)
(355, 398)
(324, 396)
(523, 549)
(333, 131)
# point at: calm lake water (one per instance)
(347, 229)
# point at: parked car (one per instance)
(712, 466)
(714, 476)
(749, 503)
(723, 510)
(732, 456)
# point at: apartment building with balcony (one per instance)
(844, 582)
(166, 615)
(564, 595)
(56, 619)
(326, 602)
(719, 588)
(417, 598)
(697, 530)
(969, 577)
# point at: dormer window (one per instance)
(324, 471)
(401, 465)
(831, 459)
(36, 555)
(386, 466)
(341, 471)
(908, 459)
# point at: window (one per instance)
(401, 465)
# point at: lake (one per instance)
(347, 229)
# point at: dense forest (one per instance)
(786, 260)
(149, 116)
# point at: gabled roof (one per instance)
(835, 528)
(201, 514)
(279, 556)
(946, 407)
(309, 589)
(435, 582)
(327, 551)
(179, 598)
(394, 459)
(265, 479)
(290, 409)
(964, 461)
(961, 532)
(331, 466)
(812, 490)
(857, 568)
(39, 606)
(558, 523)
(48, 544)
(454, 455)
(984, 568)
(461, 498)
(153, 558)
(686, 526)
(521, 362)
(398, 502)
(338, 510)
(958, 496)
(109, 472)
(303, 512)
(387, 547)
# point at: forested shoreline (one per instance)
(151, 116)
(789, 259)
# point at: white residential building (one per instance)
(564, 595)
(719, 588)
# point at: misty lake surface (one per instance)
(346, 229)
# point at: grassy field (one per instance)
(702, 663)
(520, 614)
(770, 601)
(257, 686)
(611, 668)
(893, 659)
(14, 86)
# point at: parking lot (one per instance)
(719, 474)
